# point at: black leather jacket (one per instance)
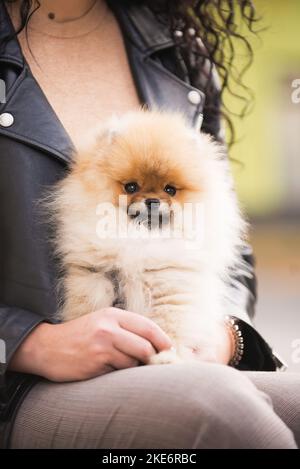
(35, 152)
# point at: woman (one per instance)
(77, 384)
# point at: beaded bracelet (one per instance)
(233, 325)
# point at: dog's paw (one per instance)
(166, 357)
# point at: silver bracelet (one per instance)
(237, 336)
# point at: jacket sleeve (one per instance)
(15, 325)
(27, 267)
(258, 355)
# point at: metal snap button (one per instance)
(6, 119)
(192, 32)
(194, 97)
(178, 34)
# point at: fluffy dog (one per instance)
(164, 248)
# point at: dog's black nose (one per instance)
(149, 202)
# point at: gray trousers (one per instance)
(197, 405)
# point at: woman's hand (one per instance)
(215, 345)
(89, 346)
(224, 343)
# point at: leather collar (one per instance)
(147, 33)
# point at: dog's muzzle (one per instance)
(150, 212)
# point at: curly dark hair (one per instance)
(211, 33)
(214, 37)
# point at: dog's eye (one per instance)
(170, 190)
(131, 187)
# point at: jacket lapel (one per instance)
(145, 37)
(34, 120)
(139, 24)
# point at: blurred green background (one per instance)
(268, 180)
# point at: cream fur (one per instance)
(181, 289)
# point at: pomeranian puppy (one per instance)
(147, 220)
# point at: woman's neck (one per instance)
(62, 12)
(68, 10)
(67, 19)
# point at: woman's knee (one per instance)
(284, 390)
(234, 413)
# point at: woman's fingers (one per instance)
(120, 361)
(133, 345)
(145, 328)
